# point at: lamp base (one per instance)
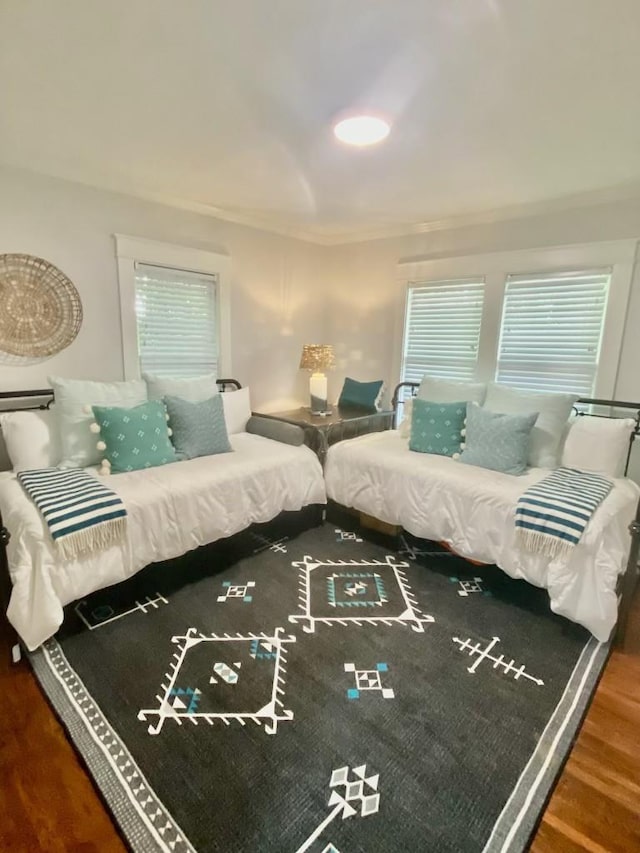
(318, 394)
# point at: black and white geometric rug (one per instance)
(322, 693)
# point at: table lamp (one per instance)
(317, 358)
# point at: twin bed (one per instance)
(178, 507)
(172, 509)
(473, 510)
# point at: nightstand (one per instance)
(321, 431)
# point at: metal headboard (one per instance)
(45, 396)
(228, 384)
(582, 407)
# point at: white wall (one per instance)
(284, 292)
(366, 302)
(276, 301)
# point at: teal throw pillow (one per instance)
(437, 427)
(198, 429)
(360, 395)
(131, 439)
(496, 441)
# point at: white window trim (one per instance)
(132, 249)
(494, 268)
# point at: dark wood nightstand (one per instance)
(321, 431)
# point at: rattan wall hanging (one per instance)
(40, 310)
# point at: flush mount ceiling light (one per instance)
(361, 130)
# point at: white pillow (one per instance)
(553, 413)
(405, 423)
(195, 389)
(73, 396)
(31, 439)
(598, 444)
(447, 391)
(237, 410)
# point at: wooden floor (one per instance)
(48, 803)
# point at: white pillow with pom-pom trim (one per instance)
(72, 396)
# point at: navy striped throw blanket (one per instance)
(552, 515)
(81, 513)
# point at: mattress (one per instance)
(473, 511)
(171, 510)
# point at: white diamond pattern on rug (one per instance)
(359, 798)
(356, 592)
(225, 672)
(368, 680)
(469, 587)
(179, 701)
(346, 536)
(242, 591)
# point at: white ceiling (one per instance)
(228, 104)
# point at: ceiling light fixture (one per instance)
(361, 130)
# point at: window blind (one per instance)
(176, 320)
(552, 330)
(442, 329)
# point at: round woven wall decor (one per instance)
(40, 309)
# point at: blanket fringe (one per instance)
(538, 542)
(96, 538)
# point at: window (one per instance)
(551, 330)
(176, 321)
(442, 329)
(174, 309)
(489, 317)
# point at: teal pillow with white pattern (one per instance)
(497, 441)
(198, 429)
(136, 438)
(437, 427)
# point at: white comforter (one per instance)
(172, 509)
(473, 510)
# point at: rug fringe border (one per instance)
(144, 823)
(524, 809)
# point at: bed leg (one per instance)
(629, 582)
(5, 592)
(5, 580)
